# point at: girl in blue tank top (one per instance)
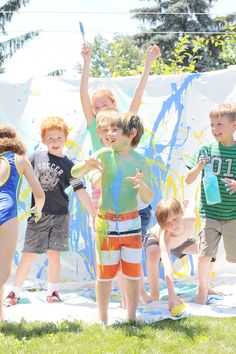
(13, 164)
(9, 187)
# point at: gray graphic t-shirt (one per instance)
(54, 176)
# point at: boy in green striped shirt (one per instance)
(218, 220)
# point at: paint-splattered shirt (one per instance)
(118, 194)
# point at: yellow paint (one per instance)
(178, 309)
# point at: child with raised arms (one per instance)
(103, 98)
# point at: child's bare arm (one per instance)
(33, 181)
(189, 206)
(146, 193)
(84, 95)
(169, 272)
(153, 52)
(194, 172)
(86, 201)
(82, 168)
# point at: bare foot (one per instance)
(201, 298)
(103, 324)
(155, 296)
(145, 298)
(215, 292)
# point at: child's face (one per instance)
(100, 102)
(55, 139)
(103, 135)
(174, 223)
(114, 138)
(222, 130)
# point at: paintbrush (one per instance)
(82, 31)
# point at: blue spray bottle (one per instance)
(210, 182)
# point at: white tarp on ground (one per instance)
(175, 112)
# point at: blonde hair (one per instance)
(54, 122)
(9, 140)
(224, 109)
(107, 116)
(167, 207)
(103, 93)
(126, 121)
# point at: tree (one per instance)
(9, 47)
(169, 20)
(120, 57)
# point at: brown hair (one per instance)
(9, 140)
(167, 207)
(103, 93)
(126, 121)
(224, 109)
(54, 122)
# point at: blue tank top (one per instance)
(9, 189)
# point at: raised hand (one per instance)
(153, 52)
(94, 163)
(86, 52)
(137, 180)
(37, 214)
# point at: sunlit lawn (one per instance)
(188, 335)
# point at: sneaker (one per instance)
(11, 300)
(54, 297)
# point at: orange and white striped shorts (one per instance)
(118, 244)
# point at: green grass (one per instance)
(188, 335)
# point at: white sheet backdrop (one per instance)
(175, 112)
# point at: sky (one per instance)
(59, 44)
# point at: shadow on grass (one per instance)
(39, 329)
(185, 326)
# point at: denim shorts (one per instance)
(51, 232)
(145, 215)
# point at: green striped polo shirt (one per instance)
(223, 162)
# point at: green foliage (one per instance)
(178, 18)
(227, 44)
(120, 57)
(125, 58)
(188, 52)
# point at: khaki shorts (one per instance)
(210, 235)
